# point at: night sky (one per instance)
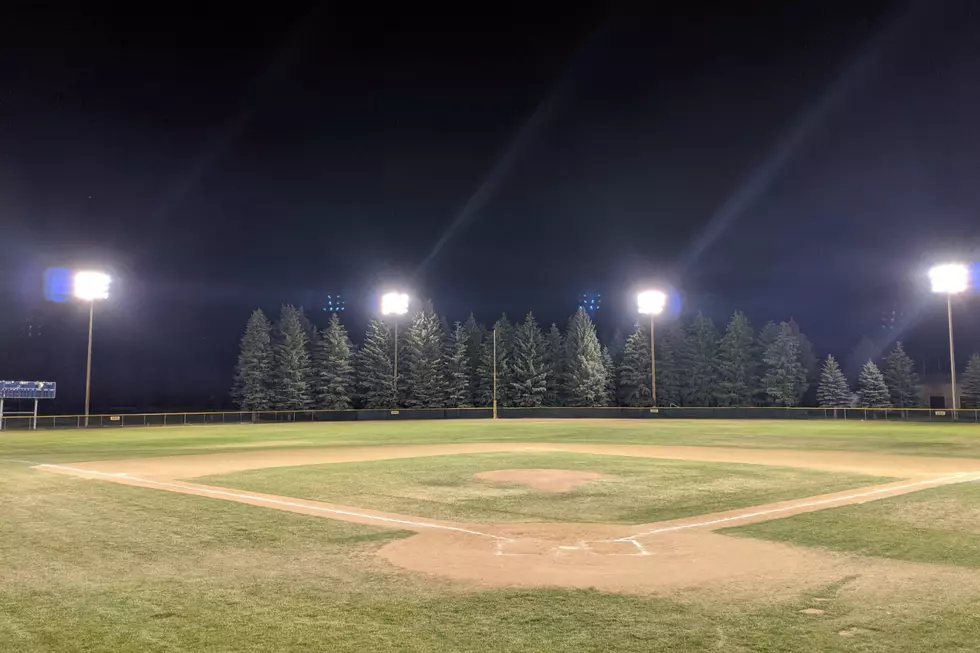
(791, 159)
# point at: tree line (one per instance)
(292, 365)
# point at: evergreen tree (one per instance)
(585, 374)
(335, 367)
(423, 361)
(767, 336)
(736, 363)
(670, 376)
(872, 391)
(475, 336)
(784, 372)
(833, 391)
(808, 359)
(554, 355)
(865, 350)
(458, 393)
(312, 345)
(616, 345)
(970, 390)
(375, 367)
(699, 361)
(607, 362)
(503, 332)
(634, 369)
(253, 374)
(529, 371)
(292, 362)
(901, 379)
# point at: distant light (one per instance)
(91, 285)
(394, 303)
(950, 278)
(651, 302)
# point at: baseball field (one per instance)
(509, 535)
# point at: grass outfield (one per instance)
(93, 566)
(939, 525)
(635, 490)
(940, 439)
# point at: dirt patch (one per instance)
(650, 558)
(543, 480)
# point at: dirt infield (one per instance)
(644, 558)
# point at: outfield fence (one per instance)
(27, 422)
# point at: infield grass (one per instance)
(939, 525)
(633, 490)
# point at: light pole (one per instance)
(950, 278)
(90, 286)
(395, 303)
(652, 302)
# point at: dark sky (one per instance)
(802, 159)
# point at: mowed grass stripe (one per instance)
(633, 491)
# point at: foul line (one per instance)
(797, 506)
(190, 489)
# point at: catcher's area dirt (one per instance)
(660, 557)
(543, 480)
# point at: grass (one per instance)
(939, 439)
(635, 491)
(939, 525)
(88, 566)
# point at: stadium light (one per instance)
(950, 279)
(395, 303)
(89, 286)
(652, 302)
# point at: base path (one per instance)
(638, 558)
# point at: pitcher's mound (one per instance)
(545, 480)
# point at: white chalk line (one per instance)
(278, 502)
(807, 504)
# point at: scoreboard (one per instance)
(27, 389)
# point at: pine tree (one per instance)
(970, 390)
(484, 392)
(585, 374)
(865, 350)
(784, 372)
(375, 367)
(736, 363)
(808, 360)
(335, 367)
(833, 391)
(292, 362)
(554, 354)
(253, 374)
(670, 343)
(503, 332)
(901, 379)
(457, 369)
(634, 369)
(529, 372)
(423, 361)
(767, 336)
(312, 345)
(699, 361)
(475, 336)
(872, 391)
(609, 399)
(616, 345)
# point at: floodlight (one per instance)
(949, 278)
(394, 303)
(651, 302)
(91, 285)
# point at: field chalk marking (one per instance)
(190, 489)
(806, 504)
